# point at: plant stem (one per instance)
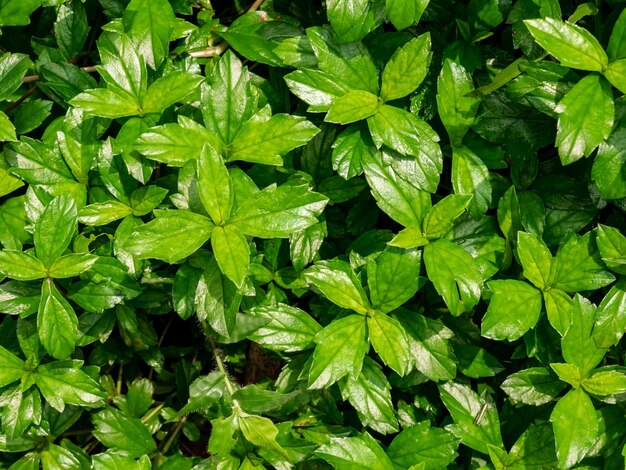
(36, 78)
(172, 435)
(220, 366)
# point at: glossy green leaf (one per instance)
(575, 427)
(21, 266)
(610, 320)
(149, 24)
(340, 350)
(609, 166)
(13, 67)
(289, 329)
(7, 129)
(423, 444)
(454, 274)
(316, 88)
(71, 265)
(354, 19)
(513, 310)
(345, 453)
(231, 252)
(56, 322)
(109, 103)
(617, 42)
(470, 176)
(11, 367)
(535, 258)
(390, 341)
(616, 74)
(558, 307)
(117, 431)
(55, 229)
(535, 448)
(534, 386)
(404, 13)
(577, 344)
(353, 106)
(612, 246)
(572, 45)
(586, 115)
(168, 90)
(338, 282)
(260, 431)
(407, 68)
(214, 185)
(71, 29)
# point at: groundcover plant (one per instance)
(380, 234)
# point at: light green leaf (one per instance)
(617, 42)
(8, 183)
(71, 265)
(455, 275)
(575, 427)
(609, 165)
(349, 453)
(399, 199)
(369, 394)
(612, 245)
(441, 216)
(122, 67)
(11, 367)
(289, 329)
(610, 321)
(352, 20)
(268, 141)
(456, 109)
(404, 13)
(149, 24)
(55, 457)
(341, 347)
(558, 307)
(168, 90)
(535, 386)
(143, 200)
(616, 74)
(108, 103)
(577, 345)
(172, 236)
(7, 129)
(586, 115)
(56, 322)
(338, 282)
(476, 421)
(393, 278)
(572, 45)
(536, 259)
(390, 341)
(423, 444)
(260, 431)
(21, 266)
(353, 106)
(349, 149)
(568, 373)
(316, 88)
(513, 310)
(13, 67)
(278, 212)
(55, 228)
(470, 176)
(407, 68)
(605, 382)
(232, 253)
(63, 383)
(214, 185)
(119, 432)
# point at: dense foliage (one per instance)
(345, 234)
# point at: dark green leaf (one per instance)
(421, 443)
(56, 322)
(117, 431)
(55, 229)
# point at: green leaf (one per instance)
(404, 13)
(476, 362)
(577, 344)
(316, 88)
(558, 307)
(616, 74)
(268, 141)
(577, 266)
(122, 67)
(617, 42)
(346, 453)
(476, 421)
(21, 266)
(149, 24)
(63, 383)
(260, 431)
(429, 344)
(108, 103)
(143, 200)
(7, 129)
(609, 165)
(412, 137)
(278, 212)
(71, 29)
(71, 265)
(440, 218)
(349, 150)
(605, 382)
(393, 278)
(353, 106)
(568, 373)
(610, 320)
(421, 443)
(11, 367)
(111, 460)
(454, 274)
(535, 386)
(56, 322)
(369, 394)
(172, 236)
(117, 431)
(55, 229)
(406, 69)
(59, 458)
(289, 329)
(586, 115)
(575, 427)
(204, 391)
(399, 199)
(232, 253)
(168, 90)
(513, 310)
(535, 258)
(470, 176)
(214, 185)
(390, 341)
(341, 347)
(535, 448)
(13, 67)
(572, 45)
(13, 14)
(612, 246)
(456, 109)
(352, 20)
(338, 282)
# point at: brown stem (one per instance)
(21, 99)
(36, 78)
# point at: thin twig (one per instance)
(21, 99)
(36, 78)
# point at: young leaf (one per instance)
(455, 275)
(168, 90)
(55, 229)
(340, 350)
(122, 67)
(289, 329)
(369, 394)
(406, 69)
(349, 150)
(586, 115)
(470, 176)
(404, 13)
(71, 265)
(7, 129)
(616, 74)
(572, 45)
(214, 185)
(337, 281)
(575, 427)
(232, 253)
(558, 308)
(423, 444)
(316, 88)
(605, 382)
(393, 278)
(345, 453)
(535, 386)
(117, 431)
(456, 109)
(390, 341)
(56, 322)
(21, 266)
(513, 310)
(353, 106)
(535, 258)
